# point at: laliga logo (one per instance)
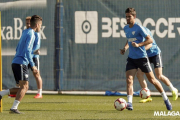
(86, 27)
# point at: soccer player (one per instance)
(21, 60)
(154, 54)
(137, 58)
(36, 47)
(35, 55)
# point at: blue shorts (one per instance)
(21, 72)
(156, 60)
(142, 63)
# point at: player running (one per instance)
(35, 55)
(20, 63)
(137, 58)
(154, 55)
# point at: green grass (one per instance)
(58, 107)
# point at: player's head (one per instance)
(36, 22)
(28, 22)
(130, 15)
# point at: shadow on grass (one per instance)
(97, 111)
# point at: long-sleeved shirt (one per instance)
(24, 48)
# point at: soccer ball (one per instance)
(145, 93)
(120, 104)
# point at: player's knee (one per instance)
(24, 85)
(27, 87)
(37, 75)
(129, 80)
(159, 77)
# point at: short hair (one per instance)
(34, 20)
(28, 18)
(131, 11)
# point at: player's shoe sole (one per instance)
(175, 94)
(168, 104)
(38, 96)
(129, 106)
(146, 100)
(14, 111)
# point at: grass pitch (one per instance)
(59, 107)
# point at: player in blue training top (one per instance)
(137, 39)
(35, 55)
(154, 54)
(22, 58)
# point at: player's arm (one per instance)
(36, 52)
(148, 40)
(36, 46)
(29, 46)
(145, 35)
(147, 47)
(122, 51)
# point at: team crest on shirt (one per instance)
(133, 32)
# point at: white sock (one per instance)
(40, 91)
(15, 104)
(171, 87)
(129, 97)
(164, 96)
(4, 92)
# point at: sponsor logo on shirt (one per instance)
(133, 32)
(132, 39)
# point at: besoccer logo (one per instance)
(86, 27)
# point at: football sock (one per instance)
(171, 87)
(4, 92)
(129, 97)
(15, 104)
(40, 91)
(164, 96)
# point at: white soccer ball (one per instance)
(145, 93)
(120, 104)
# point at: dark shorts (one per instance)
(21, 72)
(36, 62)
(142, 63)
(156, 60)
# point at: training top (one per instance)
(154, 50)
(37, 44)
(24, 48)
(136, 34)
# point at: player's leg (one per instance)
(39, 85)
(159, 87)
(140, 76)
(129, 80)
(166, 81)
(131, 70)
(38, 79)
(143, 84)
(146, 68)
(24, 85)
(15, 68)
(12, 91)
(20, 94)
(157, 61)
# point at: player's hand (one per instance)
(35, 70)
(37, 52)
(135, 44)
(122, 51)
